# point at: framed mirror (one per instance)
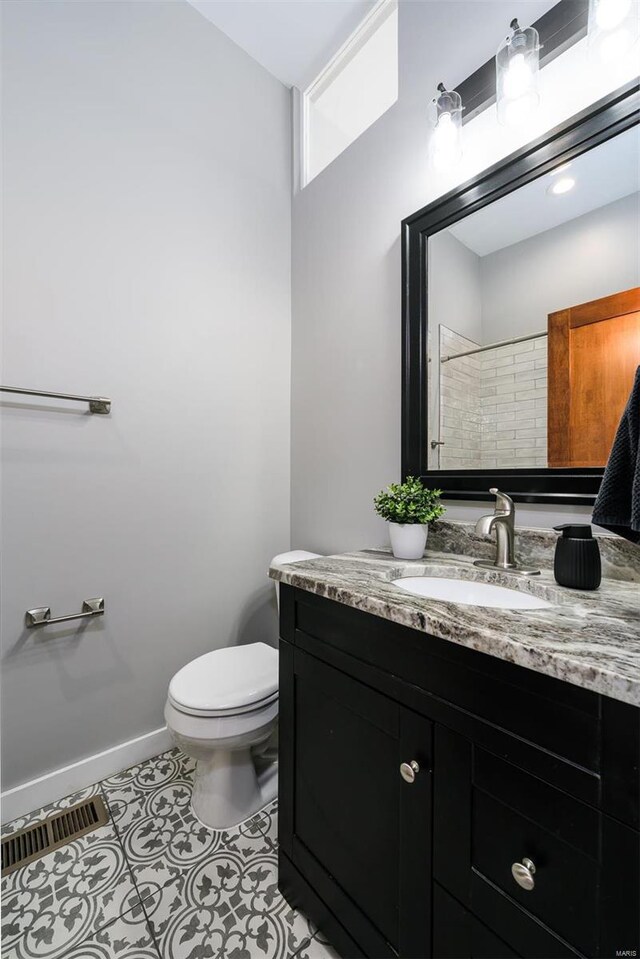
(521, 315)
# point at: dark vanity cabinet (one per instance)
(355, 820)
(417, 775)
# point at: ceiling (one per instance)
(602, 175)
(293, 39)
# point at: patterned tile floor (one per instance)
(154, 883)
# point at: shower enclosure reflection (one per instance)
(534, 319)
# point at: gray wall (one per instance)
(455, 300)
(512, 291)
(346, 291)
(455, 292)
(147, 257)
(346, 284)
(592, 256)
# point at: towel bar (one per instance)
(97, 404)
(41, 615)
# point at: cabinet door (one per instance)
(353, 814)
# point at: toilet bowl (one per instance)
(222, 711)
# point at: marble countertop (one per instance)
(590, 639)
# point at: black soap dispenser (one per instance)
(577, 559)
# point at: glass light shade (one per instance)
(517, 69)
(613, 29)
(446, 142)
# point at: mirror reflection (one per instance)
(534, 319)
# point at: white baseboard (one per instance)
(31, 795)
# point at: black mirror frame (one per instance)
(605, 119)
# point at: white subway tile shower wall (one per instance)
(460, 397)
(514, 405)
(493, 409)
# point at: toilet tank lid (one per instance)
(227, 678)
(294, 556)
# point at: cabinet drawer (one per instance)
(458, 934)
(565, 891)
(516, 817)
(526, 935)
(490, 815)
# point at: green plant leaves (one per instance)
(409, 502)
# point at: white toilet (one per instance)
(222, 710)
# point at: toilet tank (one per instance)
(294, 556)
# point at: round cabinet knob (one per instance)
(408, 771)
(523, 873)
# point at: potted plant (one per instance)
(408, 508)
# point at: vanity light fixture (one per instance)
(517, 67)
(613, 29)
(563, 185)
(446, 142)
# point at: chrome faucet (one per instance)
(502, 520)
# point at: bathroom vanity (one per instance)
(458, 781)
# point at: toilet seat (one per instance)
(222, 730)
(212, 712)
(227, 682)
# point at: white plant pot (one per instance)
(408, 540)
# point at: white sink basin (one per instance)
(467, 593)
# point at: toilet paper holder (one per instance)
(41, 615)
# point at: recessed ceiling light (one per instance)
(563, 185)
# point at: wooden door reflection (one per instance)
(594, 351)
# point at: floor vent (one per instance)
(49, 834)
